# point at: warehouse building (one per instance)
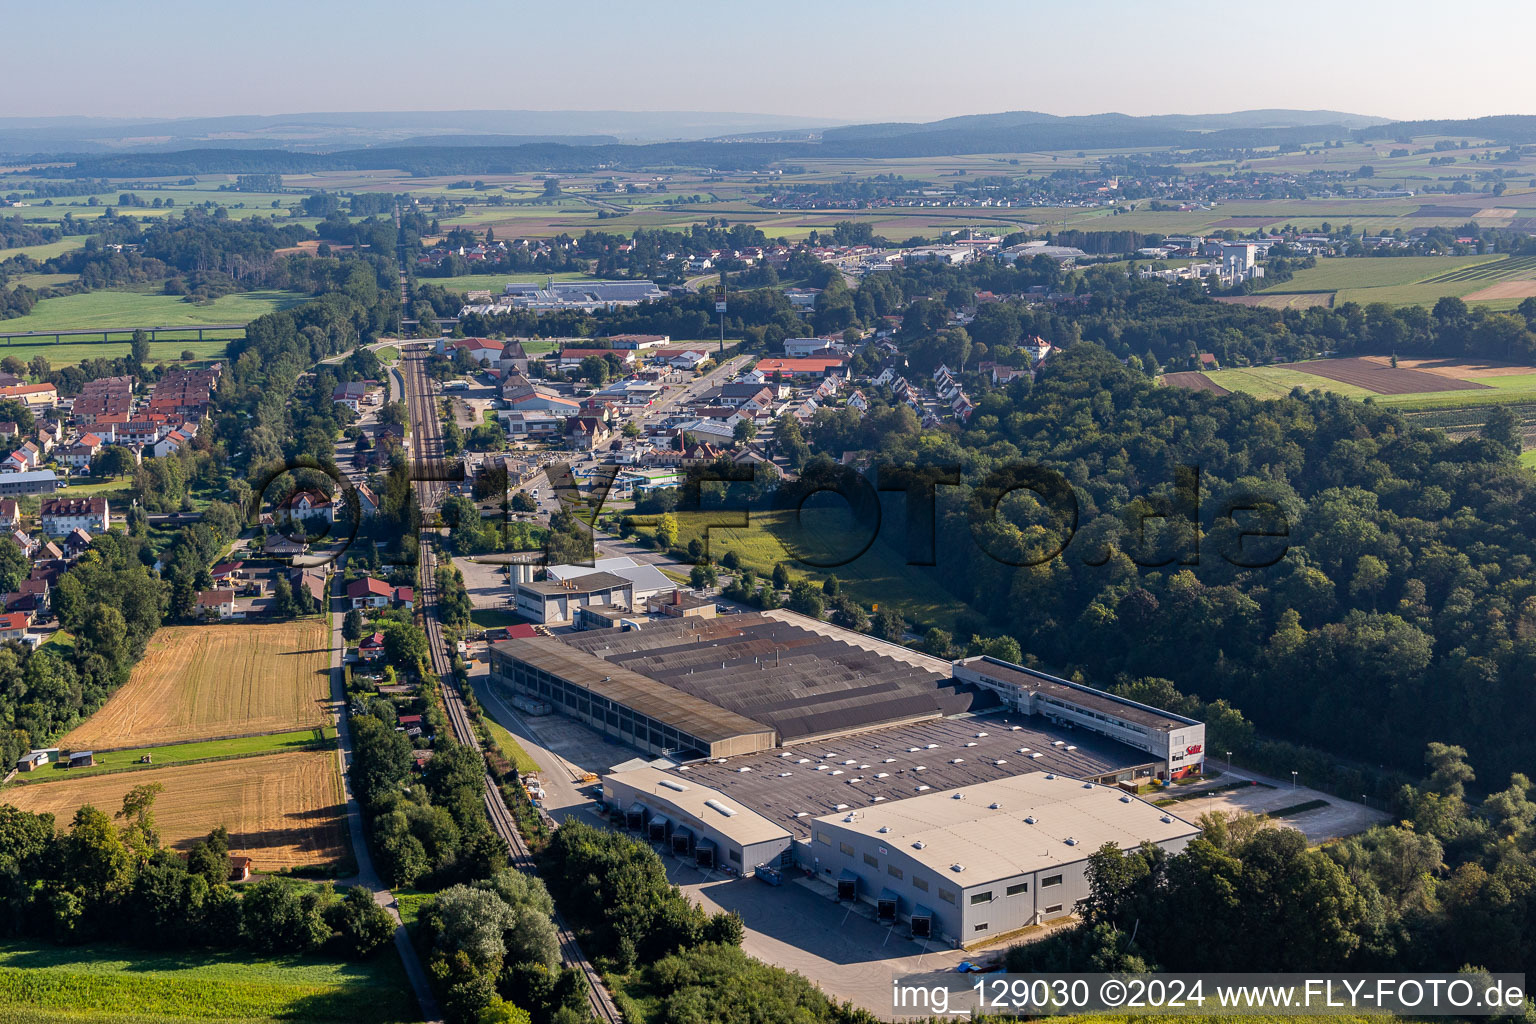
(974, 863)
(550, 601)
(623, 704)
(694, 821)
(1177, 742)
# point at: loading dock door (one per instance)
(634, 819)
(657, 829)
(847, 885)
(682, 841)
(704, 853)
(887, 905)
(922, 922)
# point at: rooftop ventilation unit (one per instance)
(923, 789)
(674, 785)
(919, 845)
(883, 829)
(1167, 820)
(981, 735)
(1049, 776)
(729, 812)
(1030, 820)
(1071, 841)
(994, 805)
(958, 796)
(957, 868)
(1087, 785)
(1125, 799)
(1001, 760)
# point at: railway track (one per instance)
(427, 451)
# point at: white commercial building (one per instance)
(1178, 742)
(974, 863)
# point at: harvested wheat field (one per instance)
(282, 810)
(1504, 290)
(1459, 369)
(206, 682)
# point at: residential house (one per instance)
(13, 626)
(371, 648)
(369, 593)
(350, 395)
(312, 580)
(34, 396)
(61, 515)
(76, 542)
(484, 351)
(10, 514)
(216, 604)
(79, 455)
(307, 504)
(586, 433)
(571, 358)
(532, 423)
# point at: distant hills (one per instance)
(505, 142)
(323, 132)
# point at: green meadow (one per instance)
(108, 983)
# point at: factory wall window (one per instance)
(823, 839)
(735, 855)
(1018, 888)
(980, 927)
(919, 883)
(1054, 909)
(978, 898)
(946, 895)
(847, 849)
(893, 871)
(1050, 880)
(871, 860)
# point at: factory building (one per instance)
(550, 601)
(982, 861)
(1177, 742)
(694, 821)
(623, 704)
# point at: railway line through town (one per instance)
(427, 453)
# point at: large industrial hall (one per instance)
(913, 783)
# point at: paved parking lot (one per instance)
(486, 582)
(835, 946)
(1340, 818)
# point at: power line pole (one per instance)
(720, 308)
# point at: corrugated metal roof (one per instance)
(684, 712)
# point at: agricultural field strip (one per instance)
(284, 811)
(204, 682)
(130, 759)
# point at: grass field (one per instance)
(282, 811)
(1374, 272)
(183, 753)
(124, 309)
(496, 282)
(46, 251)
(107, 984)
(69, 353)
(1274, 382)
(510, 748)
(880, 576)
(205, 682)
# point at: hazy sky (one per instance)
(846, 59)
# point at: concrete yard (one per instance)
(1340, 818)
(486, 582)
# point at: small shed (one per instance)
(34, 759)
(239, 869)
(82, 759)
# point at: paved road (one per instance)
(368, 876)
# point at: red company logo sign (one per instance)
(1194, 749)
